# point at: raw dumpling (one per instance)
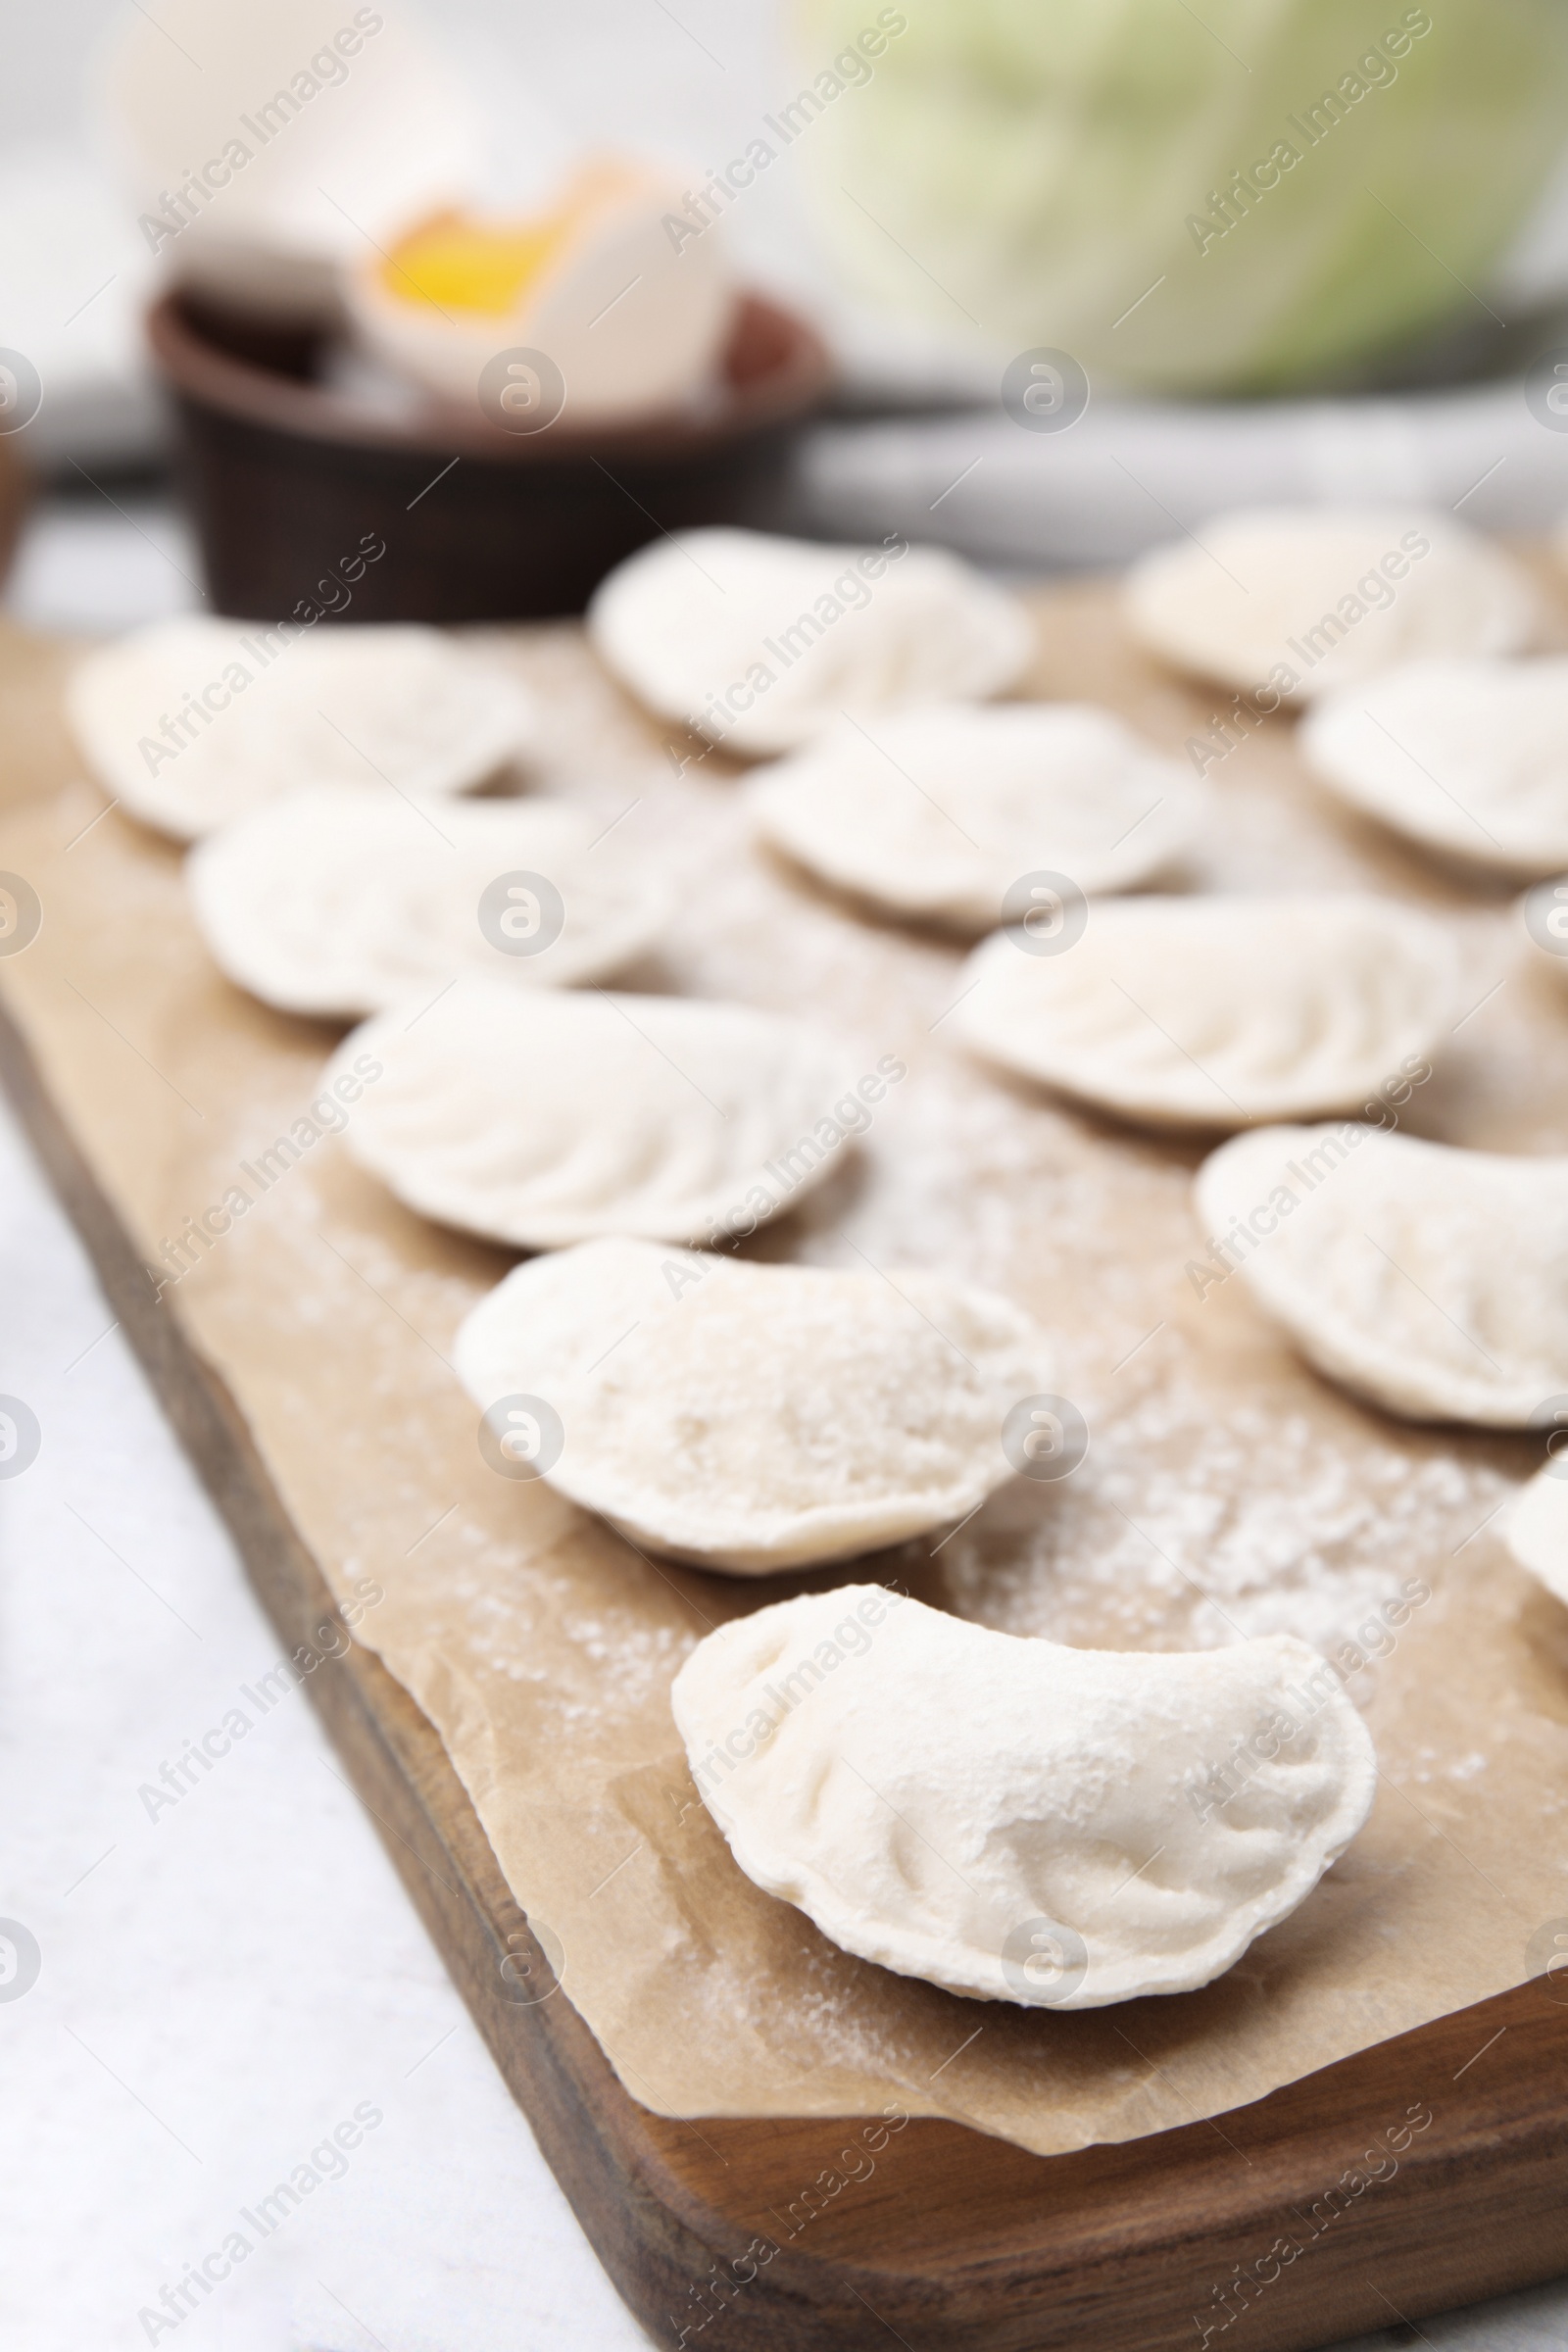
(1544, 914)
(1303, 599)
(344, 898)
(1468, 757)
(1059, 1828)
(939, 812)
(1216, 1011)
(760, 643)
(541, 1118)
(193, 722)
(754, 1417)
(1535, 1529)
(1431, 1280)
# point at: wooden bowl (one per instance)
(14, 494)
(288, 478)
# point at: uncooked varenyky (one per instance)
(1061, 1827)
(762, 643)
(1432, 1279)
(1290, 602)
(1219, 1012)
(342, 898)
(544, 1116)
(1467, 758)
(191, 722)
(939, 812)
(756, 1417)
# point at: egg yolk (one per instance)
(465, 266)
(459, 264)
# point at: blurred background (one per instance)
(1086, 273)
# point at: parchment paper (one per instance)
(1227, 1489)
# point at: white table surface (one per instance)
(223, 1984)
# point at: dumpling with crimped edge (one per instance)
(756, 1417)
(1535, 1527)
(342, 898)
(1015, 1819)
(937, 811)
(761, 642)
(545, 1116)
(1293, 601)
(1429, 1279)
(188, 723)
(1469, 758)
(1216, 1011)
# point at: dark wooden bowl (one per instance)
(15, 493)
(286, 478)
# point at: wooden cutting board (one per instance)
(1267, 2227)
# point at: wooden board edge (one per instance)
(658, 2238)
(398, 1766)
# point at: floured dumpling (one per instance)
(1433, 1281)
(1535, 1529)
(1059, 1828)
(938, 812)
(754, 1417)
(344, 898)
(540, 1117)
(760, 643)
(1298, 599)
(1467, 758)
(193, 722)
(1216, 1011)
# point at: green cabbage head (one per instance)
(1288, 190)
